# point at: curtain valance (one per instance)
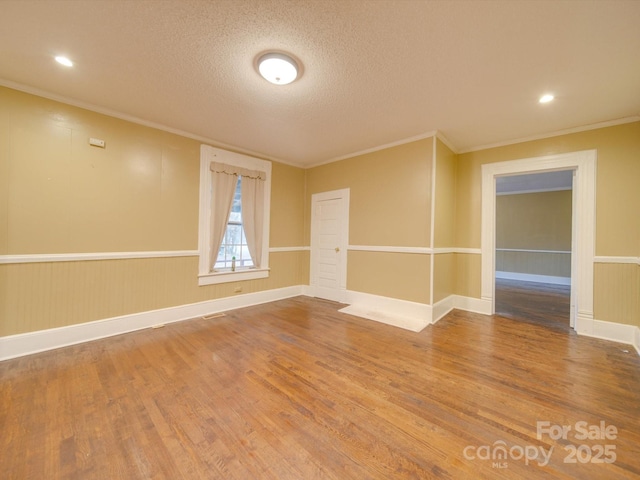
(237, 171)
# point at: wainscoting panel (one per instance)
(40, 296)
(536, 262)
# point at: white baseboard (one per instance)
(530, 277)
(391, 311)
(442, 307)
(400, 313)
(470, 304)
(40, 341)
(409, 315)
(615, 332)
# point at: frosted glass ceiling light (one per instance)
(64, 61)
(546, 98)
(278, 68)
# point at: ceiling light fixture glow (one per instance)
(278, 68)
(64, 61)
(546, 98)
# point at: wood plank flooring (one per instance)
(296, 390)
(539, 303)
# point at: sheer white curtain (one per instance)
(224, 179)
(253, 214)
(223, 186)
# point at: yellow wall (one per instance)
(444, 266)
(617, 208)
(58, 194)
(617, 192)
(534, 221)
(390, 205)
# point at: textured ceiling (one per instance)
(375, 72)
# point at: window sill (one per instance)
(237, 276)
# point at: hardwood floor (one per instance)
(539, 303)
(297, 390)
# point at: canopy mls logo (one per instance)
(499, 453)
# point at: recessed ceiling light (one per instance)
(546, 98)
(64, 61)
(278, 68)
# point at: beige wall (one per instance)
(140, 193)
(444, 264)
(59, 195)
(534, 221)
(390, 205)
(617, 207)
(397, 275)
(37, 296)
(617, 192)
(445, 196)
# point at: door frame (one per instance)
(343, 195)
(583, 242)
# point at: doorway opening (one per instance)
(534, 243)
(583, 165)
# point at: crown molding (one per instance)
(137, 120)
(557, 133)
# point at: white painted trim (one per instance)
(442, 307)
(470, 251)
(615, 332)
(557, 133)
(80, 257)
(209, 154)
(530, 277)
(629, 260)
(289, 249)
(584, 191)
(531, 251)
(414, 250)
(537, 190)
(470, 304)
(237, 276)
(440, 136)
(406, 314)
(343, 195)
(137, 120)
(390, 249)
(391, 311)
(40, 341)
(397, 143)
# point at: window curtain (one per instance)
(253, 215)
(223, 187)
(224, 179)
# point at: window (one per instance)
(233, 238)
(234, 250)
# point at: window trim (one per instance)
(209, 154)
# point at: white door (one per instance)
(329, 240)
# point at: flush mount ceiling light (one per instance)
(64, 61)
(546, 98)
(278, 68)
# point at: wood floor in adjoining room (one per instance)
(296, 390)
(541, 303)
